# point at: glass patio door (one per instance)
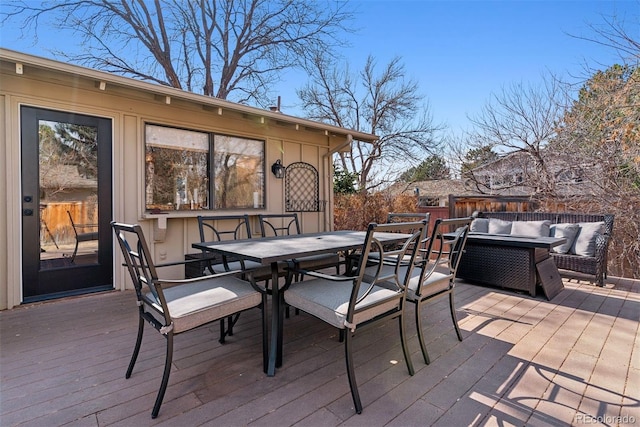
(66, 204)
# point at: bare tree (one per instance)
(613, 33)
(385, 104)
(522, 119)
(231, 49)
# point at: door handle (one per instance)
(27, 212)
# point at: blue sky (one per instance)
(462, 51)
(459, 52)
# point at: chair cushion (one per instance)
(329, 300)
(236, 265)
(585, 243)
(530, 228)
(314, 262)
(568, 231)
(194, 304)
(498, 226)
(260, 272)
(437, 282)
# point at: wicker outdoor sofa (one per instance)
(596, 264)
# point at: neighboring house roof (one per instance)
(166, 92)
(431, 188)
(67, 177)
(508, 175)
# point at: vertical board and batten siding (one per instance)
(129, 107)
(5, 184)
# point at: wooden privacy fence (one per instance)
(435, 212)
(55, 226)
(464, 206)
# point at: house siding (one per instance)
(129, 108)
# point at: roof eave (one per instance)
(108, 78)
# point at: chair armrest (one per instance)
(171, 264)
(320, 275)
(602, 245)
(200, 278)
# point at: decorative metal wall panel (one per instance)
(302, 188)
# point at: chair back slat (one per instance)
(279, 224)
(139, 263)
(400, 257)
(211, 229)
(444, 248)
(393, 217)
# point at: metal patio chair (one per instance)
(175, 306)
(370, 296)
(288, 224)
(81, 234)
(211, 230)
(436, 272)
(392, 218)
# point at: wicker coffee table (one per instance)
(511, 262)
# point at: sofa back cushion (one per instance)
(530, 228)
(498, 226)
(585, 243)
(568, 231)
(479, 225)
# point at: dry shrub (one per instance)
(624, 246)
(356, 211)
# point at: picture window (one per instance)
(192, 170)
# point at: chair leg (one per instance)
(136, 349)
(423, 347)
(348, 336)
(265, 333)
(280, 332)
(165, 375)
(231, 321)
(75, 251)
(453, 316)
(405, 347)
(222, 332)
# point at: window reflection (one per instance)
(68, 209)
(239, 172)
(177, 170)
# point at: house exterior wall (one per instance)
(129, 109)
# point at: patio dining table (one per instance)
(273, 250)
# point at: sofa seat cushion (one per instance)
(531, 228)
(582, 264)
(568, 231)
(585, 243)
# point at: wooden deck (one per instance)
(524, 361)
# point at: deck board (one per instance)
(523, 361)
